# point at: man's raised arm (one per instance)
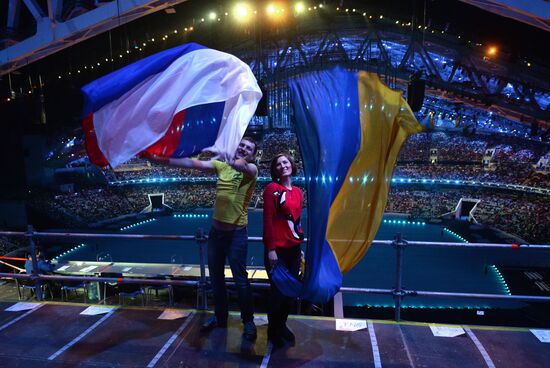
(186, 163)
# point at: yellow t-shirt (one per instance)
(233, 193)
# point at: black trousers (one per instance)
(279, 304)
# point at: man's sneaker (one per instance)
(249, 331)
(288, 335)
(213, 323)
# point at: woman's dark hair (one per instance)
(273, 166)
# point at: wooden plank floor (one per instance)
(57, 335)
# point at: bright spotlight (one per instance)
(300, 7)
(242, 12)
(492, 50)
(274, 10)
(212, 16)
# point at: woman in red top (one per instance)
(282, 238)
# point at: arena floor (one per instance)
(58, 335)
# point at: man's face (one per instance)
(245, 150)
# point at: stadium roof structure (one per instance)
(514, 80)
(63, 24)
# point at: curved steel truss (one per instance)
(453, 69)
(63, 24)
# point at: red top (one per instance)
(282, 212)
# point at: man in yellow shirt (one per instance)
(228, 237)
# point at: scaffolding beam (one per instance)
(52, 36)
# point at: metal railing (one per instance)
(398, 293)
(30, 234)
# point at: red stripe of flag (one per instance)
(168, 144)
(90, 142)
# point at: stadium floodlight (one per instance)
(274, 10)
(299, 7)
(242, 12)
(212, 16)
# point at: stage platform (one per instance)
(57, 335)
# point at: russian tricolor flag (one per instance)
(176, 103)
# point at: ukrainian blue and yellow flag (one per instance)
(350, 128)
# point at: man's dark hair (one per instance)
(273, 166)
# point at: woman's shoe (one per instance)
(288, 336)
(275, 338)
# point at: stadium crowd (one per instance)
(434, 155)
(510, 174)
(453, 146)
(526, 216)
(457, 158)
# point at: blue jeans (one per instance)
(232, 245)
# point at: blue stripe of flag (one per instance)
(328, 126)
(202, 123)
(114, 85)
